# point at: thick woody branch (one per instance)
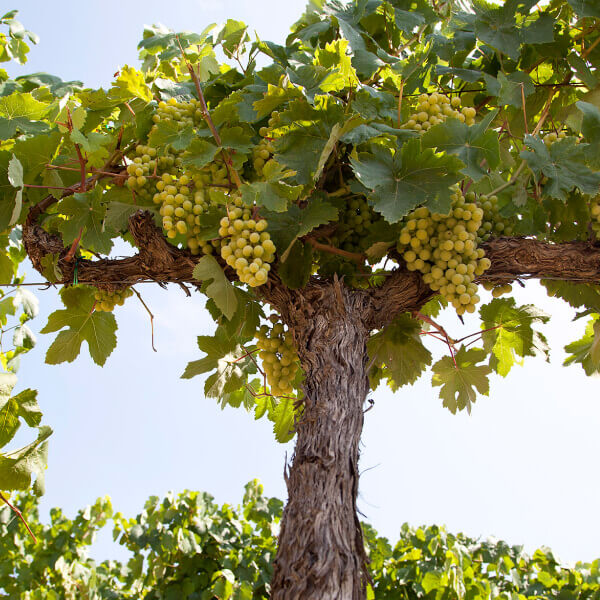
(403, 291)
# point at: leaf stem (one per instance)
(19, 514)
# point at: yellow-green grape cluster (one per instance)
(139, 171)
(106, 301)
(263, 152)
(184, 113)
(354, 222)
(180, 209)
(444, 249)
(214, 174)
(595, 212)
(279, 357)
(246, 245)
(436, 108)
(494, 224)
(497, 289)
(552, 137)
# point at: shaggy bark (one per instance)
(321, 552)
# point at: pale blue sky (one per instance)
(522, 467)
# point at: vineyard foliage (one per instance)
(189, 547)
(384, 138)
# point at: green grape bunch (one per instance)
(263, 152)
(181, 209)
(246, 246)
(435, 108)
(355, 221)
(493, 224)
(140, 170)
(279, 357)
(444, 249)
(107, 300)
(595, 213)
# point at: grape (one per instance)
(552, 137)
(436, 108)
(279, 357)
(443, 248)
(494, 224)
(107, 300)
(263, 152)
(246, 246)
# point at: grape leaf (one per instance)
(220, 290)
(273, 196)
(585, 8)
(586, 350)
(407, 179)
(473, 145)
(215, 347)
(563, 163)
(459, 382)
(18, 467)
(510, 89)
(297, 268)
(170, 133)
(22, 406)
(21, 112)
(302, 134)
(399, 351)
(82, 323)
(199, 153)
(511, 333)
(576, 294)
(286, 228)
(86, 213)
(131, 84)
(283, 416)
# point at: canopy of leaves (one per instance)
(187, 545)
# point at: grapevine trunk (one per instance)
(321, 553)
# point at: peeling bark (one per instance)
(321, 552)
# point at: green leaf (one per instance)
(473, 145)
(460, 382)
(220, 290)
(85, 211)
(275, 96)
(409, 178)
(510, 333)
(297, 268)
(167, 133)
(22, 406)
(585, 8)
(510, 89)
(590, 126)
(236, 138)
(275, 195)
(17, 468)
(283, 417)
(80, 323)
(302, 134)
(215, 347)
(563, 163)
(586, 350)
(118, 213)
(576, 294)
(131, 84)
(94, 144)
(334, 56)
(199, 153)
(21, 112)
(15, 172)
(285, 228)
(398, 349)
(497, 26)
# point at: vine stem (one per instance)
(354, 256)
(206, 115)
(19, 514)
(448, 340)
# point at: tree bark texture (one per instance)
(321, 553)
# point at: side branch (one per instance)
(511, 258)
